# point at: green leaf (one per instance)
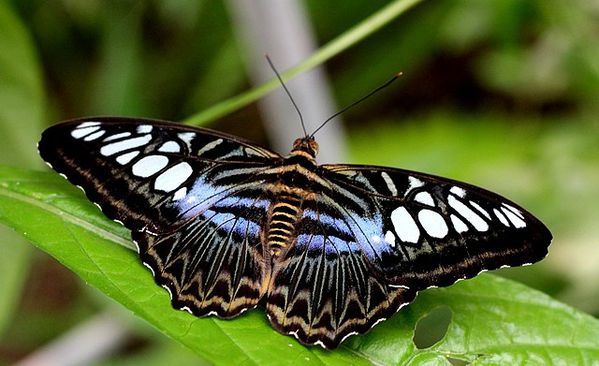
(21, 105)
(493, 320)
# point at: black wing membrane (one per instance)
(187, 194)
(427, 231)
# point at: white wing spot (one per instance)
(187, 137)
(480, 209)
(375, 239)
(181, 193)
(127, 157)
(377, 322)
(458, 224)
(94, 135)
(170, 294)
(433, 223)
(476, 221)
(514, 210)
(148, 266)
(170, 146)
(319, 343)
(88, 124)
(389, 183)
(185, 308)
(348, 335)
(173, 177)
(117, 136)
(401, 306)
(518, 222)
(390, 238)
(413, 183)
(404, 225)
(119, 146)
(80, 132)
(149, 165)
(425, 198)
(501, 217)
(460, 192)
(251, 152)
(144, 129)
(209, 146)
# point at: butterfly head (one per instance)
(306, 146)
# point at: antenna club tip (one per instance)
(399, 74)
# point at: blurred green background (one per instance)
(499, 93)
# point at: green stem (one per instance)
(334, 47)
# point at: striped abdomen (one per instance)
(281, 225)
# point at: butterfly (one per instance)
(329, 250)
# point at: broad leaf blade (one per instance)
(500, 321)
(494, 320)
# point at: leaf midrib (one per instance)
(4, 191)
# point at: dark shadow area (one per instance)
(431, 328)
(457, 362)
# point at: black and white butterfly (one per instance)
(330, 250)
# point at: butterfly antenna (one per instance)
(386, 84)
(272, 66)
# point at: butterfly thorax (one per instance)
(306, 147)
